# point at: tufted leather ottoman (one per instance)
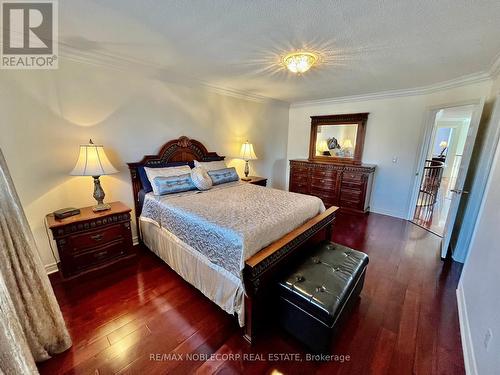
(317, 292)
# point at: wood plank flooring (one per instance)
(130, 320)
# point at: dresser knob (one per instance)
(97, 237)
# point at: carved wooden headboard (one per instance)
(176, 150)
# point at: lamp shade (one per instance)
(347, 143)
(92, 161)
(246, 152)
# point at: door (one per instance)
(457, 189)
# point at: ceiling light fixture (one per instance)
(300, 62)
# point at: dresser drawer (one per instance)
(297, 187)
(99, 237)
(351, 199)
(324, 173)
(295, 169)
(358, 186)
(352, 177)
(99, 255)
(329, 198)
(299, 178)
(323, 183)
(351, 195)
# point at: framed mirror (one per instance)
(338, 138)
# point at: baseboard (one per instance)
(135, 240)
(467, 348)
(385, 212)
(51, 268)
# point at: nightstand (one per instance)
(92, 240)
(256, 180)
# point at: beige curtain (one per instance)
(30, 315)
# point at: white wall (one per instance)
(47, 114)
(395, 128)
(480, 280)
(478, 295)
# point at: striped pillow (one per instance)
(201, 179)
(211, 165)
(173, 184)
(221, 176)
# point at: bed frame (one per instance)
(262, 269)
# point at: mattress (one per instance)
(230, 223)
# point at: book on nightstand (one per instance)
(66, 212)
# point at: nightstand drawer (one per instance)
(99, 237)
(102, 254)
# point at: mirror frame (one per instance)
(353, 118)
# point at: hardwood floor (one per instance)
(128, 321)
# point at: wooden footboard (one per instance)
(262, 269)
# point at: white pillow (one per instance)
(165, 172)
(211, 165)
(201, 179)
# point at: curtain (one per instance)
(32, 326)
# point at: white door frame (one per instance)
(425, 145)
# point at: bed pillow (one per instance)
(173, 184)
(146, 184)
(152, 173)
(211, 165)
(201, 178)
(221, 176)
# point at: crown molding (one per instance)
(458, 82)
(121, 64)
(242, 94)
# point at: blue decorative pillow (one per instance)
(173, 184)
(146, 185)
(221, 176)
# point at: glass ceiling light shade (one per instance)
(300, 62)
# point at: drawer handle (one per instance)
(100, 254)
(97, 237)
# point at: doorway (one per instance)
(440, 171)
(445, 156)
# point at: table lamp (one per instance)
(92, 161)
(444, 146)
(247, 153)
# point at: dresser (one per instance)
(343, 185)
(92, 240)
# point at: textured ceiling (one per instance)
(367, 46)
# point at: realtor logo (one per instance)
(29, 35)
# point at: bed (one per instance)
(230, 242)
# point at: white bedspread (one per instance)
(229, 224)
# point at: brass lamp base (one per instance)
(101, 207)
(99, 196)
